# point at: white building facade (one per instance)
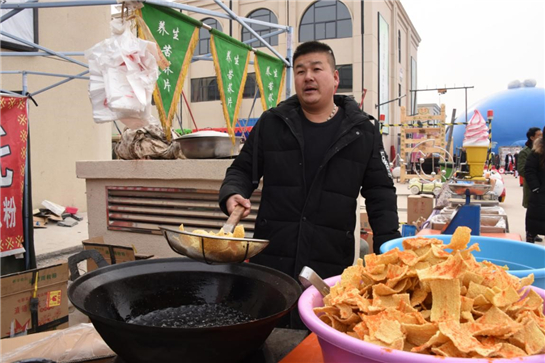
(375, 46)
(374, 42)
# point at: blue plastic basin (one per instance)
(522, 258)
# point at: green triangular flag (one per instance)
(270, 73)
(231, 59)
(176, 35)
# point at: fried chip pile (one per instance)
(219, 249)
(427, 300)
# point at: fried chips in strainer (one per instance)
(217, 248)
(431, 301)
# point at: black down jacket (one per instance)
(534, 174)
(315, 230)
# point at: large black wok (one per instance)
(111, 295)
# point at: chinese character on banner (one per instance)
(13, 144)
(231, 59)
(270, 73)
(176, 35)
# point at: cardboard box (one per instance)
(17, 291)
(39, 222)
(113, 254)
(418, 206)
(364, 221)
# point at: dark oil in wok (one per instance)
(193, 316)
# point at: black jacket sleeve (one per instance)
(531, 171)
(238, 177)
(380, 195)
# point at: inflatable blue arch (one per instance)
(516, 109)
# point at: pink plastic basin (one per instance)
(338, 347)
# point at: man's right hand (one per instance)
(235, 200)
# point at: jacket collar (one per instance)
(353, 113)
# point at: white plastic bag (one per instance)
(77, 343)
(123, 72)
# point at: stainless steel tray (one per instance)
(474, 189)
(208, 145)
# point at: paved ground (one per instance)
(55, 242)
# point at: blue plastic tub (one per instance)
(408, 230)
(522, 258)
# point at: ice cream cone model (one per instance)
(476, 145)
(476, 158)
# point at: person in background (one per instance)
(463, 161)
(316, 152)
(516, 158)
(521, 179)
(497, 161)
(490, 161)
(532, 134)
(534, 177)
(508, 163)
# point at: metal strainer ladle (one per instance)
(215, 249)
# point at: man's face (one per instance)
(315, 80)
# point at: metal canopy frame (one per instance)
(29, 255)
(32, 4)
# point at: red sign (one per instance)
(13, 144)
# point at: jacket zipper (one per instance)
(303, 218)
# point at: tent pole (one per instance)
(28, 228)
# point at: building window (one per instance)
(345, 78)
(203, 46)
(250, 88)
(206, 89)
(263, 15)
(413, 87)
(399, 94)
(325, 19)
(399, 45)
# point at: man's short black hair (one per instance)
(314, 46)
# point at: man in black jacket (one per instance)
(316, 152)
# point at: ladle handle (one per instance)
(233, 219)
(309, 277)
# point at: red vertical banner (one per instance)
(13, 145)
